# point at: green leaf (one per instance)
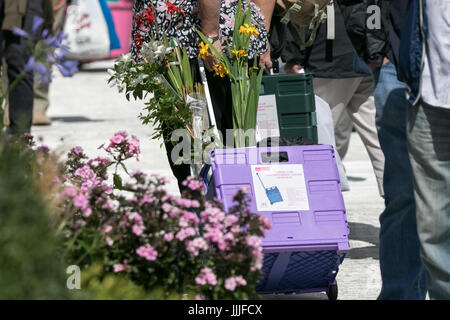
(117, 182)
(186, 68)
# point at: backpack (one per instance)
(304, 13)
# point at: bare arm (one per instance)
(209, 15)
(59, 5)
(266, 7)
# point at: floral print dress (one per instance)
(154, 19)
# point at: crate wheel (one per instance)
(332, 292)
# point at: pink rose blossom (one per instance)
(109, 241)
(136, 217)
(230, 284)
(138, 229)
(175, 212)
(80, 201)
(168, 237)
(230, 220)
(253, 241)
(240, 281)
(195, 204)
(134, 145)
(86, 211)
(196, 245)
(116, 139)
(71, 191)
(206, 276)
(146, 199)
(79, 224)
(200, 280)
(78, 150)
(119, 268)
(166, 207)
(86, 172)
(147, 252)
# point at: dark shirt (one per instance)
(397, 14)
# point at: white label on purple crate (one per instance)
(280, 187)
(267, 117)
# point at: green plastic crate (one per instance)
(296, 106)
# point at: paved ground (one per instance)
(86, 112)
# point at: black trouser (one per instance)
(16, 53)
(220, 90)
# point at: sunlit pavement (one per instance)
(86, 112)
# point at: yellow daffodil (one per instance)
(248, 30)
(204, 51)
(220, 70)
(253, 31)
(239, 53)
(245, 29)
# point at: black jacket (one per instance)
(337, 58)
(395, 14)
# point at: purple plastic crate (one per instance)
(297, 189)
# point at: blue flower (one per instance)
(67, 68)
(37, 23)
(20, 33)
(42, 73)
(51, 51)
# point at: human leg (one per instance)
(361, 110)
(402, 269)
(429, 149)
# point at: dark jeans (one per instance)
(402, 269)
(220, 90)
(16, 53)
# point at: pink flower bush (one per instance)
(182, 244)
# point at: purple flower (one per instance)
(43, 74)
(78, 150)
(20, 33)
(30, 64)
(43, 148)
(37, 23)
(44, 34)
(67, 68)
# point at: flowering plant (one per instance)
(48, 50)
(245, 81)
(141, 79)
(179, 244)
(161, 67)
